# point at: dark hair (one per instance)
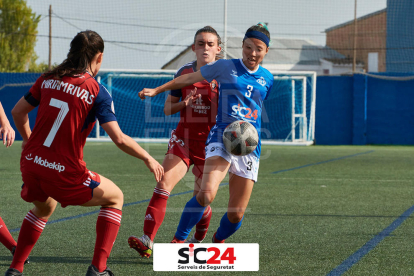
(209, 29)
(260, 27)
(83, 48)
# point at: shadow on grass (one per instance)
(325, 215)
(80, 260)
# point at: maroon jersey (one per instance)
(199, 117)
(67, 112)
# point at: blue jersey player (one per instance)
(243, 85)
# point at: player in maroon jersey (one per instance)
(198, 110)
(70, 100)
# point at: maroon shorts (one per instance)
(37, 189)
(192, 153)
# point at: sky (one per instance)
(147, 34)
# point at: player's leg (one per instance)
(5, 237)
(198, 156)
(203, 224)
(215, 170)
(174, 170)
(110, 197)
(240, 189)
(32, 227)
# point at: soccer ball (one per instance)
(240, 138)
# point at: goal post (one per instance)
(288, 116)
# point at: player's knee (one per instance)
(44, 211)
(163, 184)
(116, 200)
(119, 197)
(205, 198)
(235, 216)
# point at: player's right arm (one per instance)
(6, 131)
(129, 146)
(21, 119)
(177, 83)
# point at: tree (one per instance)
(18, 30)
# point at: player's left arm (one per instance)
(6, 131)
(129, 146)
(173, 104)
(177, 83)
(21, 119)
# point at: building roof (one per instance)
(352, 21)
(281, 51)
(343, 61)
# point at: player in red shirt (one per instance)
(70, 100)
(198, 110)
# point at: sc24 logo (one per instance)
(228, 255)
(244, 112)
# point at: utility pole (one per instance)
(225, 29)
(355, 38)
(50, 37)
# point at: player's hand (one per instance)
(192, 97)
(147, 92)
(155, 168)
(7, 134)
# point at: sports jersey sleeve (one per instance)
(214, 69)
(104, 106)
(176, 92)
(33, 96)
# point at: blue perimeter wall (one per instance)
(350, 110)
(363, 110)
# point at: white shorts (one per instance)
(244, 166)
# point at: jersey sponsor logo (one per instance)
(199, 101)
(69, 89)
(245, 112)
(43, 162)
(199, 106)
(261, 81)
(29, 157)
(234, 73)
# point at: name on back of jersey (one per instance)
(69, 88)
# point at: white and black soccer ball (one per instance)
(240, 138)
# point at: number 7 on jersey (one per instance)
(64, 109)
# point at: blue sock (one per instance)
(227, 228)
(191, 215)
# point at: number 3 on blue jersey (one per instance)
(249, 91)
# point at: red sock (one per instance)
(5, 237)
(202, 225)
(155, 212)
(107, 226)
(32, 228)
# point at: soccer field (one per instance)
(331, 210)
